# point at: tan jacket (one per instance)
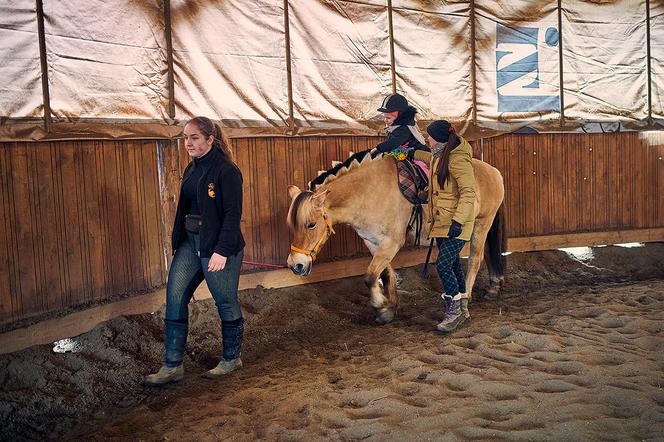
(456, 200)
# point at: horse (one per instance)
(363, 192)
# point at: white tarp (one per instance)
(230, 62)
(106, 60)
(657, 59)
(340, 62)
(486, 66)
(20, 72)
(605, 61)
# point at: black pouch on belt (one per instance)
(193, 223)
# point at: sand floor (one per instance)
(574, 350)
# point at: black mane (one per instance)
(320, 179)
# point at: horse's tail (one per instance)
(496, 244)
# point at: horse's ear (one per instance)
(319, 198)
(293, 191)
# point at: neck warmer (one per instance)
(438, 148)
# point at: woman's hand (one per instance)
(217, 263)
(455, 229)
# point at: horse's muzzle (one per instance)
(301, 269)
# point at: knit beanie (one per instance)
(440, 130)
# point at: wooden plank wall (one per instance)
(85, 221)
(570, 183)
(80, 222)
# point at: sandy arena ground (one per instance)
(573, 351)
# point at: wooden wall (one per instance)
(80, 222)
(569, 183)
(85, 221)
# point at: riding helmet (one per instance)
(394, 103)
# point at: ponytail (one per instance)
(210, 129)
(442, 172)
(222, 143)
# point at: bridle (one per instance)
(329, 231)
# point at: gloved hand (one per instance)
(455, 230)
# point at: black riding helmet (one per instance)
(394, 103)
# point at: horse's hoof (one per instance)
(385, 316)
(492, 295)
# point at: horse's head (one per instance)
(310, 225)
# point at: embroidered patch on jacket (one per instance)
(211, 193)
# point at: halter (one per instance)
(329, 231)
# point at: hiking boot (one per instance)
(454, 316)
(165, 375)
(223, 368)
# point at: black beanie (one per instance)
(440, 130)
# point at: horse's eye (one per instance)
(311, 226)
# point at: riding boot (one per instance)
(454, 314)
(175, 339)
(232, 333)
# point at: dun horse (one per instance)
(363, 192)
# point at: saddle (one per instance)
(413, 182)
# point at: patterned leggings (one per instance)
(448, 265)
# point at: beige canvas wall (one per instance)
(295, 67)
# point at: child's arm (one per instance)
(423, 155)
(400, 135)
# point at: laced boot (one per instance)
(454, 315)
(165, 375)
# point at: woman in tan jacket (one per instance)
(451, 213)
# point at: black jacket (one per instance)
(219, 197)
(402, 135)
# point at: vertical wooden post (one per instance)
(44, 66)
(473, 63)
(168, 32)
(560, 64)
(649, 54)
(289, 74)
(391, 39)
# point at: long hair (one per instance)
(211, 129)
(442, 172)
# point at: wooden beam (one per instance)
(80, 322)
(549, 242)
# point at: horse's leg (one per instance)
(493, 253)
(381, 261)
(389, 278)
(477, 241)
